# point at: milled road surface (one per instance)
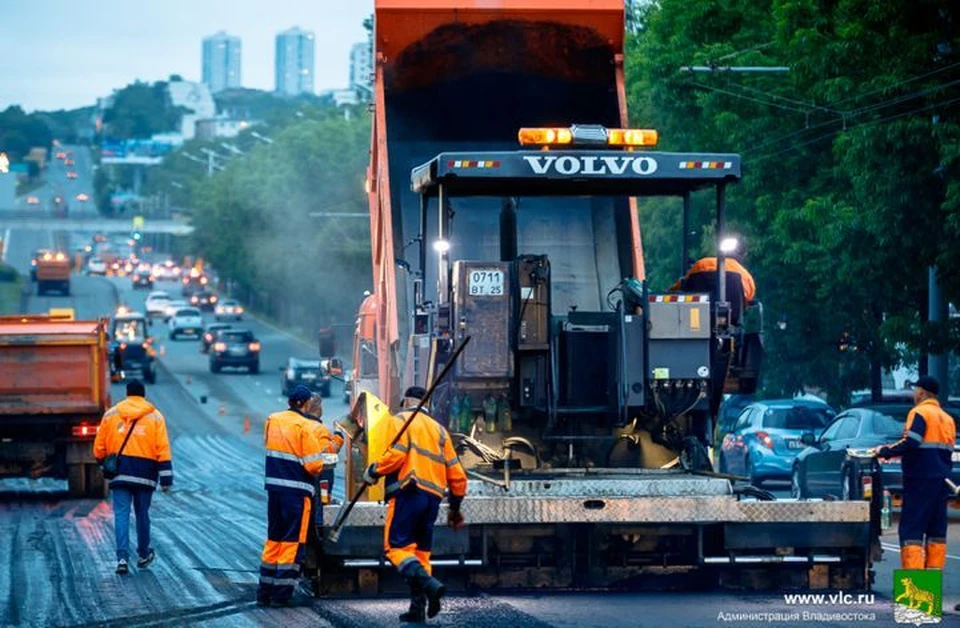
(57, 554)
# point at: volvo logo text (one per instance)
(569, 165)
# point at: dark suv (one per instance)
(204, 299)
(235, 347)
(210, 333)
(307, 372)
(142, 279)
(131, 348)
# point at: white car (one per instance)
(156, 303)
(228, 310)
(96, 266)
(172, 308)
(186, 321)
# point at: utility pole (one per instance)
(937, 362)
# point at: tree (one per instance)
(139, 111)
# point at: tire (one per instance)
(171, 336)
(254, 368)
(798, 489)
(214, 367)
(86, 480)
(150, 375)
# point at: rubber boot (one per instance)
(911, 557)
(936, 555)
(418, 604)
(431, 587)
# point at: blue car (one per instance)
(766, 438)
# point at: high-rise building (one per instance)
(221, 62)
(295, 62)
(361, 66)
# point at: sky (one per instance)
(62, 54)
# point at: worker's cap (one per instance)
(135, 388)
(928, 383)
(299, 395)
(415, 392)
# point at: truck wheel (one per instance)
(255, 368)
(86, 480)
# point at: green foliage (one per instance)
(140, 110)
(68, 125)
(849, 189)
(19, 132)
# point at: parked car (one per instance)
(235, 348)
(204, 299)
(822, 468)
(766, 437)
(209, 334)
(307, 372)
(228, 309)
(186, 321)
(96, 266)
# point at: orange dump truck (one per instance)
(53, 392)
(53, 272)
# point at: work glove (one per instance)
(370, 476)
(883, 452)
(347, 427)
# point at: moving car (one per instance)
(210, 334)
(82, 197)
(71, 175)
(172, 308)
(37, 255)
(766, 437)
(204, 299)
(235, 347)
(822, 468)
(307, 372)
(68, 161)
(131, 347)
(186, 321)
(142, 279)
(96, 266)
(228, 309)
(156, 303)
(166, 271)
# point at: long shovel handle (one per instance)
(342, 516)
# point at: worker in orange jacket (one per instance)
(926, 448)
(733, 263)
(137, 427)
(419, 469)
(294, 456)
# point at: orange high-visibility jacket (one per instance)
(294, 454)
(927, 442)
(146, 457)
(709, 265)
(424, 456)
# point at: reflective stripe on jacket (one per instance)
(294, 454)
(146, 456)
(424, 456)
(927, 442)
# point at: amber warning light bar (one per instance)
(592, 135)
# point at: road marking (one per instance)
(894, 548)
(6, 245)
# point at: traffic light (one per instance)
(137, 235)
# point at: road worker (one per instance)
(703, 274)
(926, 448)
(294, 456)
(419, 469)
(133, 449)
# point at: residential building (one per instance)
(197, 100)
(295, 61)
(221, 62)
(361, 69)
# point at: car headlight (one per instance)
(291, 374)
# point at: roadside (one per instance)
(11, 286)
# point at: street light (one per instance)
(729, 245)
(441, 246)
(265, 140)
(233, 149)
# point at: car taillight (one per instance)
(123, 346)
(220, 346)
(764, 438)
(85, 430)
(208, 337)
(213, 299)
(238, 310)
(194, 299)
(254, 346)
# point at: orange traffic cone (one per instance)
(246, 423)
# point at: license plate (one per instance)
(794, 444)
(486, 283)
(189, 332)
(956, 456)
(238, 351)
(309, 376)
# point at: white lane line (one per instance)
(894, 548)
(6, 245)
